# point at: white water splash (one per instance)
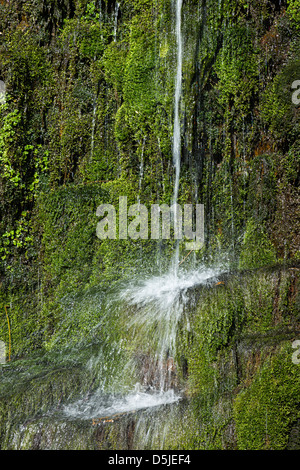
(100, 407)
(158, 304)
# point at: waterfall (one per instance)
(93, 130)
(178, 86)
(159, 304)
(141, 171)
(176, 127)
(151, 309)
(116, 21)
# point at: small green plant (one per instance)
(293, 11)
(90, 12)
(8, 130)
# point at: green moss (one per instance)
(260, 302)
(293, 10)
(114, 63)
(138, 74)
(265, 411)
(236, 68)
(257, 250)
(277, 107)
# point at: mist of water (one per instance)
(154, 307)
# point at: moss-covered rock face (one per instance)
(265, 411)
(237, 369)
(88, 118)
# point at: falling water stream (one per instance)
(155, 306)
(176, 128)
(117, 6)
